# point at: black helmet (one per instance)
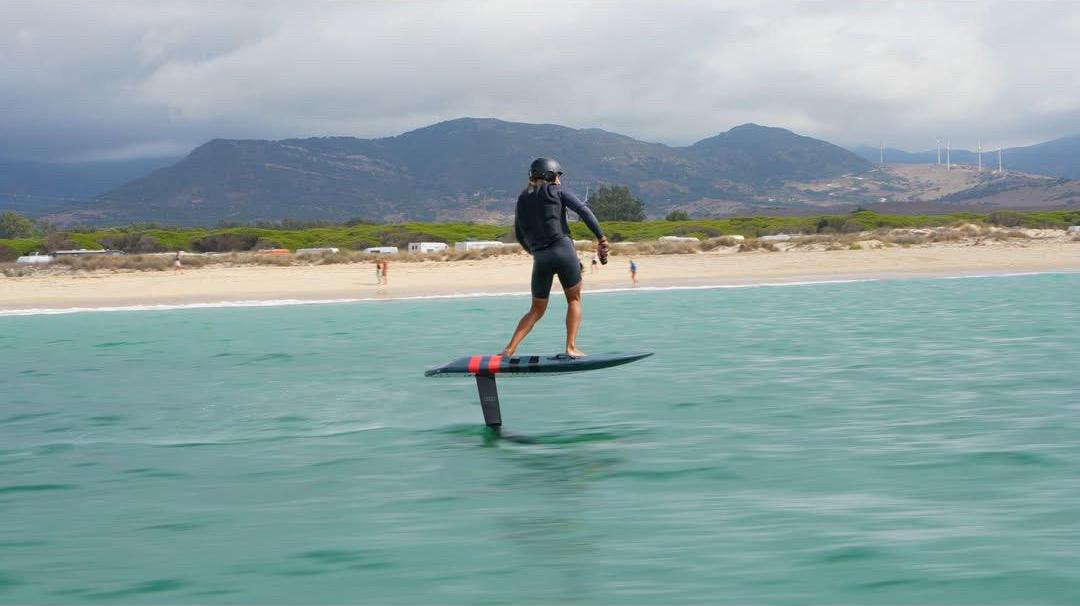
(544, 168)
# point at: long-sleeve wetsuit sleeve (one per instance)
(580, 209)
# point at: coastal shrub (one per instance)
(225, 242)
(60, 241)
(342, 256)
(699, 231)
(401, 235)
(265, 244)
(722, 241)
(24, 247)
(362, 244)
(904, 239)
(947, 235)
(18, 271)
(14, 226)
(271, 259)
(677, 215)
(1006, 218)
(1008, 234)
(829, 225)
(135, 243)
(752, 244)
(8, 254)
(116, 262)
(676, 248)
(824, 240)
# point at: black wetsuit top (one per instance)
(541, 229)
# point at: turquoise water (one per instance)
(877, 442)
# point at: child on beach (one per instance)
(633, 271)
(178, 267)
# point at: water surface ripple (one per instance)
(893, 442)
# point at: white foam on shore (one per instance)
(472, 295)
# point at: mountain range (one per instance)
(41, 187)
(471, 169)
(465, 169)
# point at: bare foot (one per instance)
(506, 353)
(574, 352)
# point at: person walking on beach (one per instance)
(541, 229)
(633, 271)
(385, 269)
(378, 271)
(178, 267)
(594, 264)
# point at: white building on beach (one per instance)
(427, 247)
(34, 258)
(477, 244)
(382, 250)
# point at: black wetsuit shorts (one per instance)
(558, 258)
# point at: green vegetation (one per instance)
(677, 215)
(614, 203)
(14, 225)
(151, 238)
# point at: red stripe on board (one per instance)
(493, 364)
(474, 364)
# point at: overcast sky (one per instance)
(102, 79)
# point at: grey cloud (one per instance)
(110, 79)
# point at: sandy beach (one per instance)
(510, 274)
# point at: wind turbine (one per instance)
(948, 156)
(938, 151)
(980, 155)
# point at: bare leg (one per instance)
(573, 319)
(539, 306)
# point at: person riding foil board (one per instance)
(541, 229)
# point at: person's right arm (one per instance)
(582, 210)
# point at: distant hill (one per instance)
(1057, 158)
(37, 188)
(467, 169)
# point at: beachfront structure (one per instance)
(34, 258)
(382, 250)
(775, 238)
(1074, 229)
(678, 239)
(317, 251)
(85, 252)
(427, 247)
(477, 244)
